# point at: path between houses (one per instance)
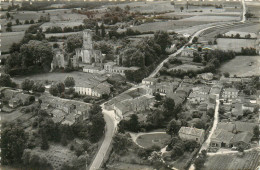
(206, 144)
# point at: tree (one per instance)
(169, 104)
(69, 82)
(8, 15)
(13, 142)
(17, 21)
(226, 74)
(199, 163)
(195, 40)
(73, 42)
(103, 31)
(9, 29)
(97, 30)
(27, 85)
(133, 123)
(256, 132)
(54, 90)
(163, 39)
(37, 53)
(200, 124)
(211, 112)
(44, 142)
(95, 109)
(61, 87)
(120, 143)
(181, 8)
(173, 127)
(31, 21)
(5, 81)
(158, 97)
(97, 128)
(26, 22)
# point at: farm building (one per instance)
(191, 133)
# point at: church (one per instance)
(86, 54)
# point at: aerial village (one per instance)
(130, 85)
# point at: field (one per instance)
(147, 7)
(240, 66)
(149, 140)
(231, 161)
(8, 38)
(252, 28)
(235, 44)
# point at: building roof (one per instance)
(221, 135)
(245, 126)
(150, 79)
(192, 131)
(242, 137)
(230, 90)
(226, 126)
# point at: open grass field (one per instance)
(80, 77)
(232, 162)
(168, 25)
(8, 38)
(149, 140)
(240, 66)
(235, 44)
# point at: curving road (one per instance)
(112, 120)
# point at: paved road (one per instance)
(111, 124)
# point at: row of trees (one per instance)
(57, 29)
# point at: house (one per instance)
(230, 93)
(111, 67)
(221, 138)
(91, 69)
(74, 110)
(216, 89)
(94, 89)
(149, 81)
(191, 133)
(205, 76)
(249, 106)
(136, 104)
(21, 99)
(188, 52)
(242, 140)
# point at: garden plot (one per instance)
(56, 155)
(19, 28)
(148, 140)
(232, 161)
